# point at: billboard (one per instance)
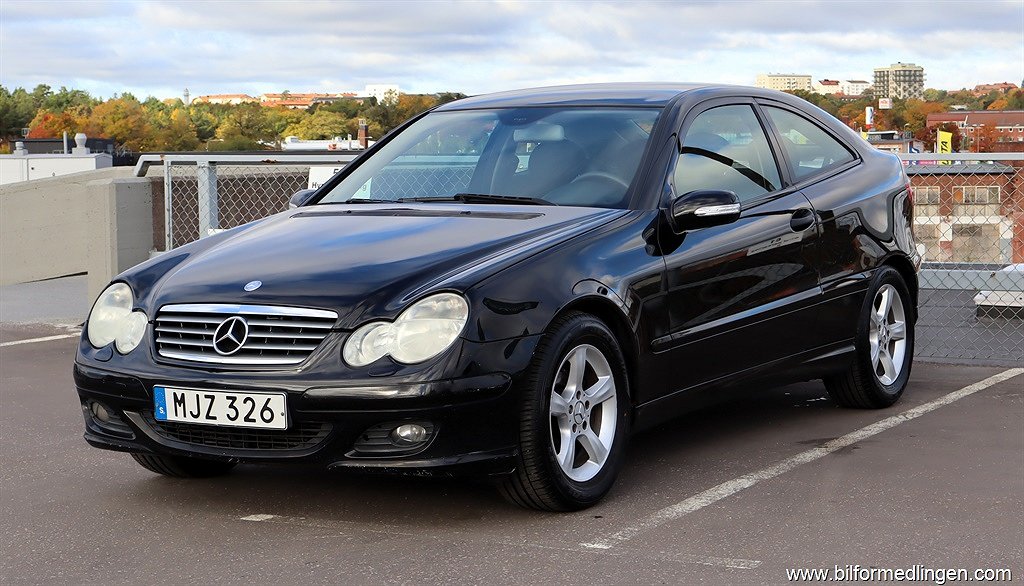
(885, 103)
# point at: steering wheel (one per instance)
(601, 175)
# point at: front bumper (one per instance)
(473, 419)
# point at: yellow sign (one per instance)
(944, 144)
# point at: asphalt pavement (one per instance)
(774, 479)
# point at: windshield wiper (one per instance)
(358, 200)
(483, 198)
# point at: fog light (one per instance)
(409, 434)
(99, 412)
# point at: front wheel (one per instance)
(574, 419)
(884, 347)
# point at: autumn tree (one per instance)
(916, 113)
(983, 138)
(125, 121)
(49, 124)
(928, 136)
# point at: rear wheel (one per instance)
(181, 467)
(884, 347)
(574, 418)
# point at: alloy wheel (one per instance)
(888, 335)
(583, 413)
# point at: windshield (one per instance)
(559, 156)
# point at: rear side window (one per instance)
(809, 148)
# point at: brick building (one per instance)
(969, 213)
(985, 88)
(1008, 124)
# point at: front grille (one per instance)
(301, 435)
(272, 335)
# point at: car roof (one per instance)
(596, 94)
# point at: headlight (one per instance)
(112, 320)
(424, 330)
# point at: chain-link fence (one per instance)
(969, 219)
(204, 198)
(969, 223)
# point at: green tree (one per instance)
(320, 125)
(17, 109)
(825, 102)
(349, 107)
(248, 121)
(279, 119)
(179, 134)
(65, 99)
(205, 120)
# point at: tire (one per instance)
(569, 455)
(871, 382)
(181, 467)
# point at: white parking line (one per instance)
(731, 487)
(258, 517)
(43, 339)
(350, 527)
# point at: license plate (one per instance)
(228, 408)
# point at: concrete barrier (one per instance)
(96, 222)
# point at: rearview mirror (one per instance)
(300, 198)
(703, 209)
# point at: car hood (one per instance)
(366, 261)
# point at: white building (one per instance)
(21, 166)
(854, 87)
(784, 81)
(828, 87)
(382, 91)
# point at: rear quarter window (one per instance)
(808, 147)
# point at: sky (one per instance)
(161, 47)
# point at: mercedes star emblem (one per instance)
(230, 335)
(253, 285)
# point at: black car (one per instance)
(509, 284)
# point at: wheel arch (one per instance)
(906, 269)
(613, 316)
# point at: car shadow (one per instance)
(307, 492)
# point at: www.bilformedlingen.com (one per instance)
(915, 573)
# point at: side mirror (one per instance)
(300, 198)
(703, 209)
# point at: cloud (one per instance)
(163, 46)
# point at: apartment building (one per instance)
(784, 81)
(854, 87)
(899, 81)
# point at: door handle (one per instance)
(802, 219)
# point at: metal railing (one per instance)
(969, 222)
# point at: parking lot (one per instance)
(770, 480)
